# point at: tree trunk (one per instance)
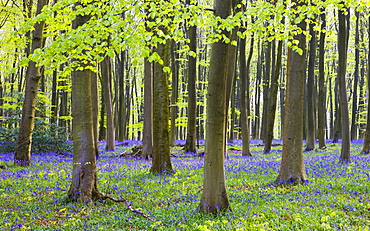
(54, 98)
(63, 109)
(338, 114)
(84, 178)
(321, 97)
(102, 128)
(366, 147)
(232, 110)
(190, 145)
(147, 150)
(121, 136)
(106, 72)
(95, 109)
(83, 186)
(266, 88)
(342, 66)
(174, 92)
(355, 80)
(292, 166)
(161, 162)
(272, 103)
(282, 105)
(230, 77)
(311, 136)
(361, 103)
(244, 94)
(22, 155)
(256, 124)
(214, 198)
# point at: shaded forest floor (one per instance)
(336, 197)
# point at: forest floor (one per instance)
(336, 196)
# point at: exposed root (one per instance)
(128, 205)
(135, 152)
(262, 145)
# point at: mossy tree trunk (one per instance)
(161, 162)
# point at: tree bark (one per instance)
(83, 186)
(272, 103)
(54, 98)
(292, 166)
(161, 162)
(321, 97)
(355, 79)
(214, 197)
(174, 92)
(244, 94)
(147, 150)
(106, 72)
(95, 109)
(256, 123)
(342, 66)
(230, 77)
(121, 136)
(311, 136)
(337, 113)
(266, 87)
(366, 147)
(190, 145)
(84, 178)
(22, 155)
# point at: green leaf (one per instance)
(166, 70)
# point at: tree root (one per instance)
(135, 152)
(128, 205)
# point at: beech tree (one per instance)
(311, 136)
(161, 162)
(22, 155)
(190, 145)
(106, 72)
(366, 147)
(343, 33)
(292, 166)
(321, 86)
(84, 176)
(214, 197)
(147, 149)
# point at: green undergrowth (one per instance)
(336, 196)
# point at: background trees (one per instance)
(120, 36)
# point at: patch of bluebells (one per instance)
(334, 190)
